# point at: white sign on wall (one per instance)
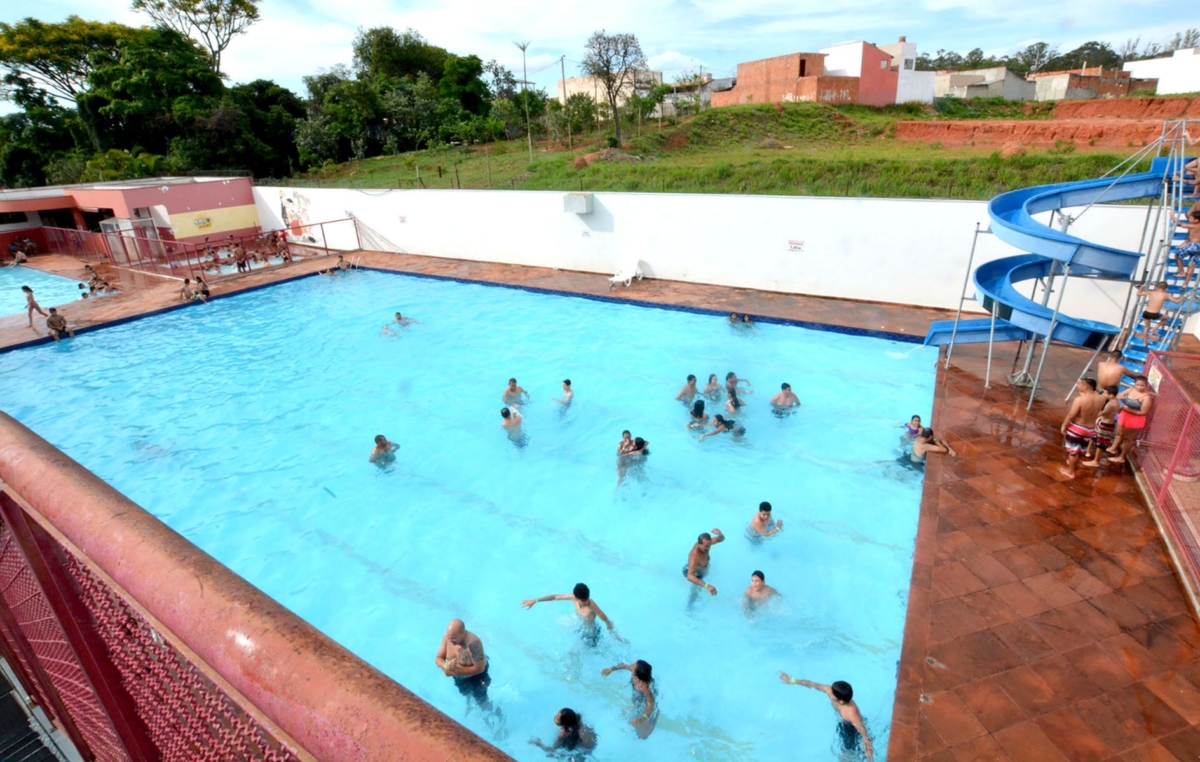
(795, 245)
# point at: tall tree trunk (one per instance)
(616, 117)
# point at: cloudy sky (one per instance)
(299, 37)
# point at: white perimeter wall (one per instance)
(887, 250)
(1178, 74)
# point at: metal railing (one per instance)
(155, 251)
(1168, 453)
(142, 647)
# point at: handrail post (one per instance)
(1049, 335)
(962, 296)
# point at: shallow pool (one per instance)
(49, 290)
(246, 425)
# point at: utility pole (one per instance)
(563, 63)
(525, 97)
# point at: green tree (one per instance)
(614, 59)
(253, 128)
(462, 82)
(383, 52)
(1031, 59)
(216, 22)
(31, 138)
(149, 96)
(1090, 54)
(58, 58)
(500, 81)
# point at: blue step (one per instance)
(973, 331)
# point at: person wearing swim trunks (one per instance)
(1106, 426)
(852, 731)
(645, 702)
(1078, 427)
(1156, 296)
(762, 524)
(568, 393)
(513, 394)
(1135, 406)
(56, 325)
(698, 558)
(1189, 251)
(587, 609)
(461, 657)
(384, 452)
(785, 398)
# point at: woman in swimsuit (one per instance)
(912, 429)
(644, 702)
(1135, 406)
(626, 443)
(712, 389)
(573, 736)
(721, 426)
(31, 305)
(733, 405)
(699, 417)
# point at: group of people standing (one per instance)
(1102, 420)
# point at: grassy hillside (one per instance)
(789, 149)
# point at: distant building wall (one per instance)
(1178, 74)
(873, 67)
(593, 87)
(787, 79)
(994, 82)
(1085, 84)
(911, 85)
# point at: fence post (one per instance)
(75, 621)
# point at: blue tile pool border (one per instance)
(811, 325)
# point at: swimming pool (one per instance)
(246, 425)
(49, 290)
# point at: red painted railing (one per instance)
(142, 647)
(1168, 454)
(156, 252)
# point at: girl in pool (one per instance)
(31, 305)
(733, 405)
(912, 429)
(712, 389)
(644, 702)
(633, 458)
(626, 443)
(721, 425)
(573, 736)
(699, 417)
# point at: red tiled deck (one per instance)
(1044, 619)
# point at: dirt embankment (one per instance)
(1110, 123)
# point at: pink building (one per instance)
(877, 79)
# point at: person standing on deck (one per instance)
(1079, 426)
(1109, 372)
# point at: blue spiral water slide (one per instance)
(1051, 252)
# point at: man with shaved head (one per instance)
(461, 657)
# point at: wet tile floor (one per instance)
(1044, 621)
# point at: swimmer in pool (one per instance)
(513, 394)
(510, 418)
(384, 452)
(587, 609)
(852, 731)
(722, 425)
(734, 319)
(689, 391)
(912, 429)
(733, 405)
(785, 398)
(461, 657)
(645, 703)
(626, 443)
(763, 524)
(759, 591)
(399, 322)
(712, 389)
(699, 418)
(568, 393)
(732, 380)
(633, 458)
(573, 735)
(927, 443)
(698, 558)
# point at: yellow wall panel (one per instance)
(211, 222)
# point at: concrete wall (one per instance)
(911, 85)
(887, 250)
(996, 82)
(873, 67)
(1178, 74)
(593, 87)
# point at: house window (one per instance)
(802, 66)
(883, 64)
(908, 64)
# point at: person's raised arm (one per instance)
(609, 670)
(717, 536)
(806, 684)
(528, 602)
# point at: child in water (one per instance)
(384, 452)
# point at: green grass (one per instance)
(796, 149)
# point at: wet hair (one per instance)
(758, 574)
(730, 375)
(842, 691)
(27, 289)
(82, 286)
(1116, 354)
(1161, 284)
(926, 432)
(1090, 382)
(639, 444)
(745, 318)
(764, 506)
(720, 420)
(582, 592)
(691, 377)
(733, 399)
(626, 431)
(712, 376)
(1113, 389)
(914, 418)
(568, 720)
(567, 381)
(1140, 378)
(53, 310)
(504, 412)
(698, 408)
(642, 671)
(704, 536)
(380, 439)
(512, 380)
(785, 385)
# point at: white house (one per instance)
(1178, 74)
(912, 85)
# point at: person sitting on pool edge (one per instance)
(572, 735)
(57, 324)
(785, 398)
(384, 452)
(587, 609)
(340, 266)
(852, 731)
(644, 703)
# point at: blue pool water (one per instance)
(49, 290)
(246, 425)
